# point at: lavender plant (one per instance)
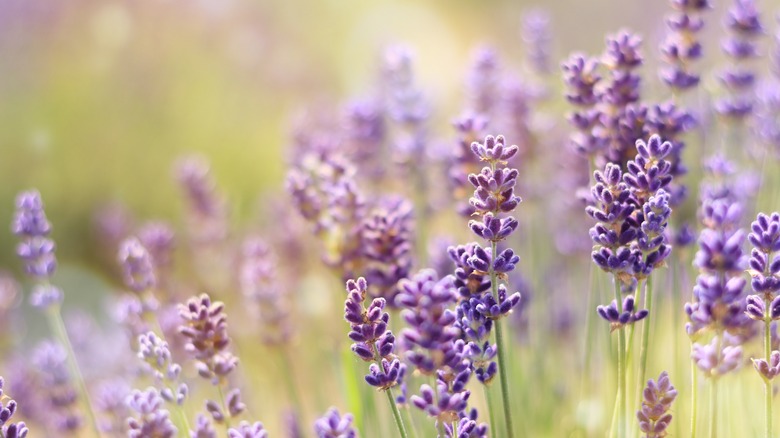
(657, 399)
(765, 305)
(9, 428)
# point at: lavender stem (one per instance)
(501, 353)
(491, 412)
(58, 327)
(621, 392)
(768, 353)
(645, 334)
(694, 398)
(396, 414)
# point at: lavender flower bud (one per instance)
(152, 419)
(8, 407)
(714, 363)
(768, 370)
(625, 315)
(335, 425)
(247, 430)
(136, 265)
(205, 327)
(657, 399)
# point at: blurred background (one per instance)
(99, 97)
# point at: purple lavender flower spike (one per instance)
(682, 46)
(468, 427)
(159, 240)
(137, 265)
(580, 74)
(475, 328)
(467, 280)
(441, 404)
(657, 399)
(494, 150)
(482, 81)
(8, 428)
(493, 308)
(744, 24)
(387, 235)
(537, 36)
(203, 428)
(373, 341)
(208, 210)
(155, 353)
(205, 327)
(649, 171)
(247, 430)
(335, 425)
(30, 224)
(50, 361)
(152, 419)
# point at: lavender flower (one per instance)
(159, 240)
(335, 425)
(387, 246)
(373, 342)
(137, 265)
(111, 402)
(50, 361)
(580, 74)
(247, 430)
(482, 82)
(537, 36)
(681, 46)
(152, 419)
(714, 359)
(768, 369)
(267, 298)
(36, 249)
(208, 211)
(625, 315)
(8, 428)
(657, 399)
(745, 26)
(156, 354)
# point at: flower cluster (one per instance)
(266, 297)
(744, 23)
(61, 399)
(208, 210)
(205, 327)
(335, 425)
(9, 428)
(152, 420)
(36, 248)
(657, 399)
(157, 356)
(682, 46)
(373, 342)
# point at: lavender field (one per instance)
(253, 219)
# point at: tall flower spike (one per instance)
(373, 342)
(36, 249)
(580, 75)
(657, 399)
(137, 265)
(682, 46)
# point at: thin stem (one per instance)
(767, 382)
(396, 414)
(491, 412)
(288, 372)
(645, 335)
(502, 362)
(621, 392)
(589, 326)
(408, 420)
(58, 327)
(714, 408)
(223, 405)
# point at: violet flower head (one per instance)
(137, 266)
(768, 369)
(151, 419)
(467, 426)
(50, 362)
(205, 328)
(467, 280)
(264, 294)
(625, 315)
(373, 341)
(248, 430)
(440, 403)
(155, 353)
(743, 22)
(208, 212)
(657, 399)
(482, 81)
(716, 363)
(475, 329)
(387, 239)
(8, 427)
(537, 36)
(622, 56)
(764, 264)
(335, 425)
(581, 77)
(159, 240)
(682, 46)
(649, 171)
(36, 249)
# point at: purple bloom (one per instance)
(537, 35)
(768, 369)
(36, 249)
(158, 239)
(625, 315)
(155, 353)
(205, 328)
(247, 430)
(208, 210)
(152, 419)
(50, 361)
(335, 425)
(715, 363)
(373, 341)
(440, 403)
(657, 399)
(136, 265)
(482, 82)
(8, 428)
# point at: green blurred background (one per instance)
(99, 97)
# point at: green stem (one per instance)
(621, 392)
(408, 420)
(714, 408)
(589, 327)
(223, 405)
(694, 398)
(491, 412)
(58, 327)
(645, 336)
(288, 372)
(396, 414)
(502, 362)
(767, 382)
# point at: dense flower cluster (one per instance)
(335, 425)
(657, 399)
(9, 428)
(682, 46)
(152, 420)
(373, 341)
